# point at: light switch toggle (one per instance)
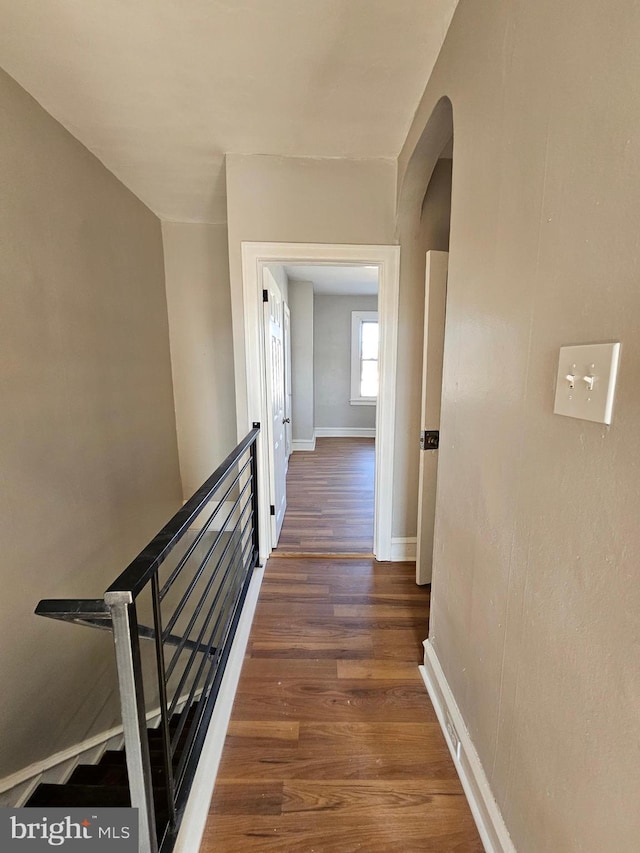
(586, 380)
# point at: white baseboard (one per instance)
(197, 809)
(345, 432)
(303, 444)
(403, 549)
(486, 812)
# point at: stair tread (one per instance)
(48, 794)
(107, 774)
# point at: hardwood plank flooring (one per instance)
(330, 498)
(333, 744)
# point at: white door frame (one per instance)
(252, 385)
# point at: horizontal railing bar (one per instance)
(94, 613)
(205, 529)
(73, 609)
(200, 605)
(198, 574)
(186, 766)
(203, 597)
(139, 571)
(203, 630)
(224, 613)
(212, 648)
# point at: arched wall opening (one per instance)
(423, 223)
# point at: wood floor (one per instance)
(333, 744)
(330, 498)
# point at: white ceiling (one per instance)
(336, 280)
(160, 90)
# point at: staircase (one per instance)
(106, 784)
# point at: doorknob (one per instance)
(286, 420)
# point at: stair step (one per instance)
(72, 796)
(97, 774)
(109, 774)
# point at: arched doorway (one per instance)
(423, 229)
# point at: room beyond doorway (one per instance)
(330, 499)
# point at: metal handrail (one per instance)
(209, 605)
(94, 613)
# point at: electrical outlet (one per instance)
(453, 736)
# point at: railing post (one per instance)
(164, 704)
(134, 721)
(254, 494)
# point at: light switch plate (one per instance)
(586, 381)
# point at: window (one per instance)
(364, 358)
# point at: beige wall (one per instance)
(535, 596)
(87, 433)
(302, 344)
(300, 200)
(332, 362)
(199, 303)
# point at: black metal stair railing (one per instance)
(184, 592)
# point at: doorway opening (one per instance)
(253, 387)
(332, 366)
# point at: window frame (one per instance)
(357, 320)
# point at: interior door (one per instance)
(435, 300)
(287, 383)
(274, 337)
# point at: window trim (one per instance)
(357, 319)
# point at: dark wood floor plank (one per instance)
(264, 668)
(412, 797)
(249, 765)
(444, 827)
(248, 798)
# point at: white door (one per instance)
(435, 300)
(287, 382)
(274, 336)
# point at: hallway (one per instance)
(333, 744)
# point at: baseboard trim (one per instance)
(197, 809)
(345, 432)
(303, 444)
(403, 549)
(486, 813)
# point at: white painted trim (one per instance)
(403, 549)
(303, 444)
(197, 809)
(251, 384)
(486, 812)
(345, 432)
